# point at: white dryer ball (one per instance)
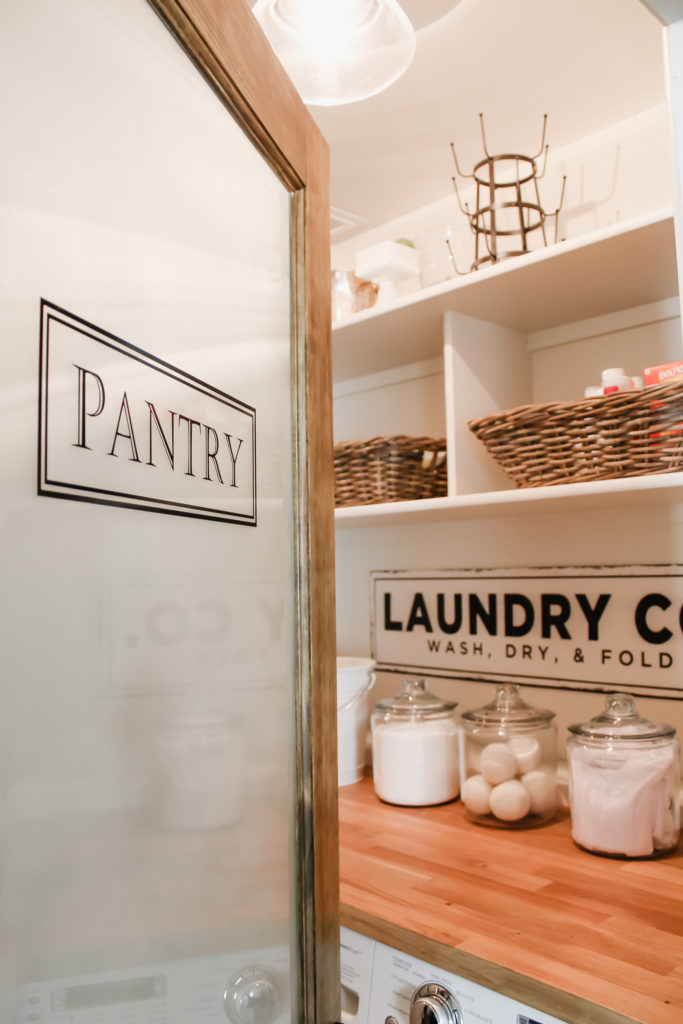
(475, 794)
(542, 788)
(510, 801)
(497, 763)
(527, 751)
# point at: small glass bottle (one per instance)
(415, 748)
(509, 762)
(624, 777)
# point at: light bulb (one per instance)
(338, 51)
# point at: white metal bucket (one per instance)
(355, 679)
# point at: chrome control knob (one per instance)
(434, 1004)
(254, 995)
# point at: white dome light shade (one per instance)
(338, 51)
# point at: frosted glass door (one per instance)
(148, 604)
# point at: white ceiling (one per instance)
(586, 63)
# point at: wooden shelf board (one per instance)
(561, 498)
(619, 267)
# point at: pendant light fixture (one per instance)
(338, 51)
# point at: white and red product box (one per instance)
(663, 374)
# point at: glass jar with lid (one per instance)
(509, 762)
(624, 777)
(415, 747)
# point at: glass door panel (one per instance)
(146, 522)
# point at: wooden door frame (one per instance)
(224, 40)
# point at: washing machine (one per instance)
(381, 985)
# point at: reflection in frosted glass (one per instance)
(253, 985)
(145, 710)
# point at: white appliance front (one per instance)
(379, 983)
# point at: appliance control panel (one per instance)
(231, 988)
(381, 985)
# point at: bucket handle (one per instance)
(361, 693)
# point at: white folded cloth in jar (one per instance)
(624, 800)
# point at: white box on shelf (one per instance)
(385, 264)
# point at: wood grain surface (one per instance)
(586, 938)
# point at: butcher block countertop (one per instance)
(588, 939)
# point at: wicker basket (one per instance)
(389, 469)
(630, 433)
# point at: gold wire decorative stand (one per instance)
(508, 203)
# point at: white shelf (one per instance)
(562, 498)
(622, 266)
(625, 268)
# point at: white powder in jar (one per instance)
(416, 763)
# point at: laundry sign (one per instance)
(614, 627)
(119, 426)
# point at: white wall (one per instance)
(407, 400)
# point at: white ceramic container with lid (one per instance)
(624, 777)
(355, 679)
(509, 762)
(415, 748)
